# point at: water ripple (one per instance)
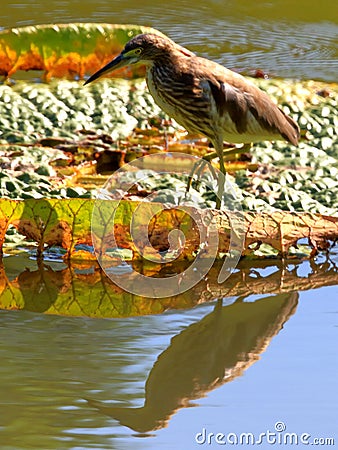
(298, 51)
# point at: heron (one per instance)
(204, 97)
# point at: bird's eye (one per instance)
(138, 51)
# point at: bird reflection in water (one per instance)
(205, 355)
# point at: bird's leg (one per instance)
(198, 166)
(225, 153)
(221, 179)
(197, 169)
(221, 153)
(229, 152)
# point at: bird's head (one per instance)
(144, 48)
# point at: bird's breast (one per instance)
(157, 91)
(182, 99)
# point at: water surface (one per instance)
(50, 365)
(238, 365)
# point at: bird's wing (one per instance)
(250, 109)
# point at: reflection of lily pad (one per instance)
(86, 291)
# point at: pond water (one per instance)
(282, 37)
(257, 354)
(262, 359)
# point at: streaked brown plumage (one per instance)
(203, 96)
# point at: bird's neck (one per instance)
(166, 62)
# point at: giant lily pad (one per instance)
(66, 50)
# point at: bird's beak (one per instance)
(120, 61)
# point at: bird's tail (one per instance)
(291, 131)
